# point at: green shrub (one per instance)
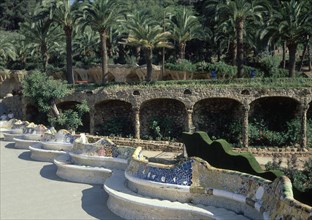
(116, 126)
(164, 128)
(220, 155)
(70, 119)
(43, 91)
(181, 65)
(260, 135)
(301, 179)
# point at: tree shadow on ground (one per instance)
(94, 202)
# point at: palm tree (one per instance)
(101, 15)
(186, 27)
(42, 35)
(63, 13)
(290, 23)
(240, 11)
(85, 46)
(146, 33)
(7, 49)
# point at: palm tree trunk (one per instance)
(45, 56)
(182, 50)
(149, 56)
(69, 61)
(304, 53)
(309, 57)
(104, 56)
(240, 49)
(284, 55)
(137, 54)
(292, 47)
(219, 51)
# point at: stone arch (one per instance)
(114, 117)
(217, 117)
(66, 105)
(167, 77)
(33, 115)
(273, 113)
(110, 77)
(132, 77)
(170, 115)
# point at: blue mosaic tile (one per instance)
(180, 175)
(69, 138)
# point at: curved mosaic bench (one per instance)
(62, 141)
(39, 154)
(252, 196)
(88, 162)
(80, 173)
(129, 205)
(15, 129)
(52, 146)
(31, 136)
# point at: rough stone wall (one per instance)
(114, 110)
(14, 104)
(197, 101)
(171, 111)
(214, 116)
(276, 111)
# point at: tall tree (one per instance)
(240, 11)
(63, 12)
(12, 13)
(7, 49)
(43, 36)
(101, 15)
(186, 26)
(291, 23)
(146, 33)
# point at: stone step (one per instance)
(130, 205)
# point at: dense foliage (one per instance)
(44, 91)
(301, 178)
(236, 35)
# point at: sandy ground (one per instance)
(31, 190)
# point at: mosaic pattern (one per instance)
(35, 129)
(122, 152)
(102, 148)
(20, 124)
(62, 136)
(179, 175)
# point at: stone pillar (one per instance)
(136, 112)
(303, 115)
(92, 114)
(190, 126)
(24, 109)
(245, 137)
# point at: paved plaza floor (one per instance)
(31, 190)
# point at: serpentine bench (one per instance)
(32, 134)
(194, 181)
(52, 145)
(92, 162)
(12, 129)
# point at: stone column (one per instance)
(92, 114)
(136, 111)
(245, 137)
(24, 109)
(190, 126)
(303, 115)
